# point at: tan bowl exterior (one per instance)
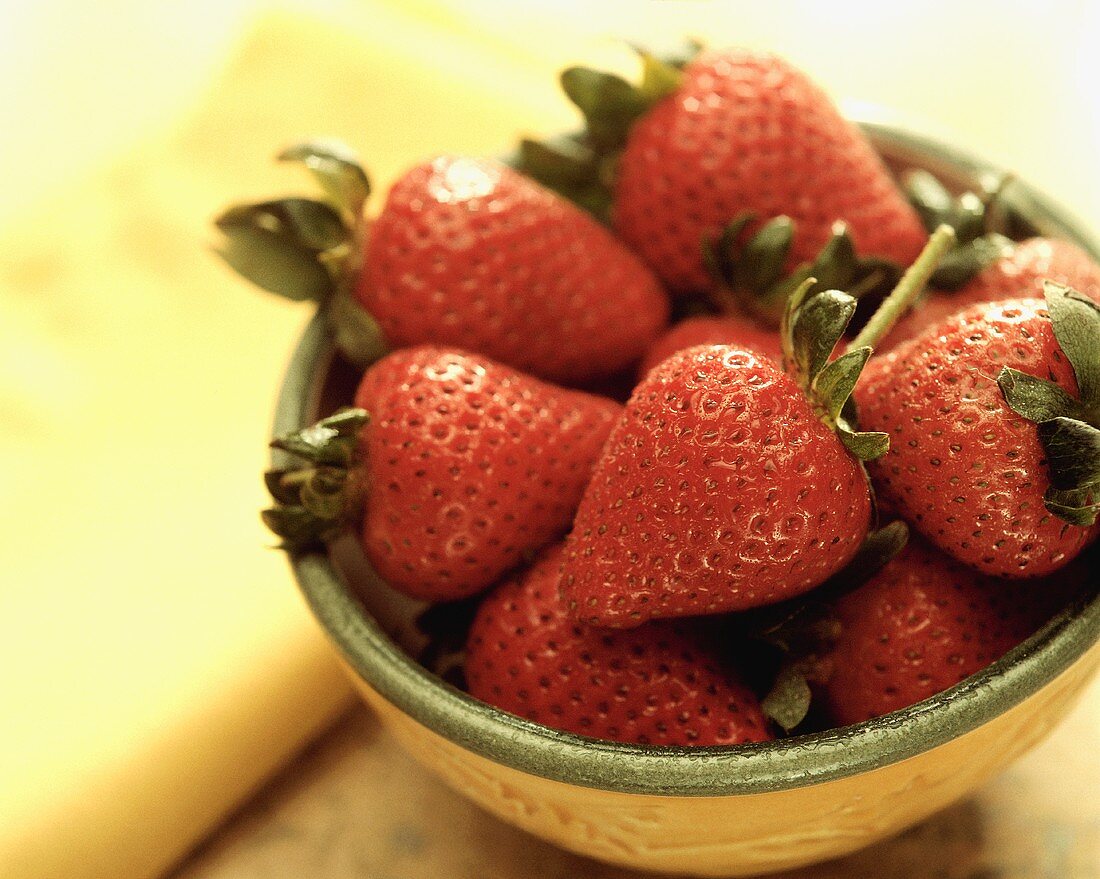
(753, 833)
(708, 812)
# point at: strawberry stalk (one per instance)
(310, 249)
(910, 286)
(811, 327)
(1068, 427)
(316, 498)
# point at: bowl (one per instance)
(710, 811)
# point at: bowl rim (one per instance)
(754, 768)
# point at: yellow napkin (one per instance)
(157, 661)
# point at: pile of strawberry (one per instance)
(727, 554)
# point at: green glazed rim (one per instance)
(703, 771)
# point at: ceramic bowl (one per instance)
(714, 811)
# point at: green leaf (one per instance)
(608, 102)
(1076, 320)
(337, 168)
(864, 444)
(284, 486)
(1080, 507)
(873, 275)
(356, 333)
(559, 161)
(960, 265)
(297, 526)
(303, 221)
(765, 253)
(879, 548)
(722, 253)
(1036, 399)
(659, 77)
(834, 384)
(969, 217)
(788, 701)
(817, 326)
(331, 441)
(324, 493)
(269, 260)
(1073, 453)
(786, 327)
(929, 197)
(1007, 209)
(835, 264)
(1014, 221)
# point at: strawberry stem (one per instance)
(908, 289)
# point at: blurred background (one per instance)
(156, 662)
(1015, 77)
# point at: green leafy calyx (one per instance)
(310, 249)
(986, 224)
(750, 277)
(1068, 427)
(318, 490)
(581, 166)
(811, 327)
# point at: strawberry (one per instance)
(728, 329)
(730, 481)
(747, 131)
(919, 626)
(465, 252)
(702, 141)
(1018, 273)
(719, 489)
(467, 465)
(654, 685)
(966, 465)
(472, 253)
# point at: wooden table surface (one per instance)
(354, 806)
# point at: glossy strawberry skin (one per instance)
(472, 254)
(746, 131)
(719, 489)
(963, 468)
(655, 685)
(923, 624)
(469, 465)
(1017, 275)
(712, 330)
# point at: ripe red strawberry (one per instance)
(719, 489)
(1016, 275)
(469, 252)
(654, 685)
(467, 466)
(707, 330)
(980, 480)
(747, 131)
(466, 253)
(919, 626)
